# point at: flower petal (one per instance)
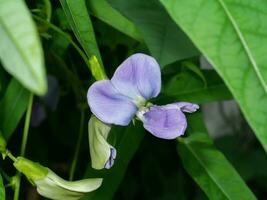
(139, 75)
(54, 187)
(111, 159)
(101, 152)
(184, 106)
(164, 122)
(51, 185)
(109, 105)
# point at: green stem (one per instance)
(77, 48)
(4, 174)
(24, 144)
(77, 150)
(66, 36)
(9, 154)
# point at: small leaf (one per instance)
(12, 107)
(20, 51)
(2, 189)
(103, 11)
(232, 35)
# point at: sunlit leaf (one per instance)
(232, 35)
(20, 50)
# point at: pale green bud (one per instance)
(102, 153)
(51, 185)
(96, 68)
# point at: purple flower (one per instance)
(119, 100)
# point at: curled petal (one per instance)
(101, 152)
(165, 122)
(54, 187)
(138, 76)
(112, 157)
(51, 185)
(109, 105)
(184, 106)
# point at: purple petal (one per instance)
(138, 75)
(165, 122)
(109, 105)
(184, 106)
(110, 162)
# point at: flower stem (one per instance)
(23, 144)
(10, 155)
(77, 149)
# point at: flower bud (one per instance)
(51, 185)
(102, 153)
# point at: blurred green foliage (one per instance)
(197, 166)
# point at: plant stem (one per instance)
(77, 48)
(66, 36)
(9, 154)
(23, 144)
(77, 149)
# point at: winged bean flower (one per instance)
(119, 100)
(126, 95)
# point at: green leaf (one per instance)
(187, 86)
(126, 141)
(2, 189)
(2, 143)
(166, 42)
(81, 25)
(211, 170)
(20, 51)
(232, 35)
(12, 107)
(103, 11)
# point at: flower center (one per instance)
(140, 113)
(139, 101)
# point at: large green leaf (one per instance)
(166, 42)
(2, 189)
(12, 107)
(211, 170)
(232, 35)
(81, 25)
(187, 86)
(126, 141)
(20, 50)
(103, 11)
